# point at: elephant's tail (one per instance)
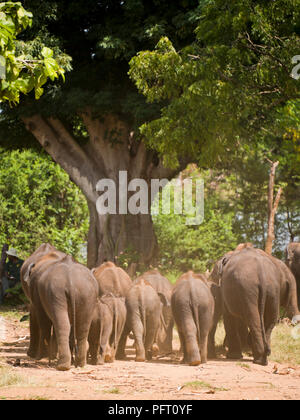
(142, 310)
(73, 318)
(195, 313)
(115, 315)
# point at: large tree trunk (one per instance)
(111, 148)
(272, 208)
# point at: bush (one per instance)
(39, 203)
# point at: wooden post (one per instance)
(272, 207)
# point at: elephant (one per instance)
(37, 347)
(215, 277)
(193, 310)
(165, 332)
(112, 279)
(293, 262)
(144, 309)
(106, 328)
(218, 311)
(115, 280)
(63, 293)
(254, 285)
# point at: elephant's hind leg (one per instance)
(190, 337)
(62, 331)
(258, 337)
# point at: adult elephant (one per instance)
(254, 285)
(293, 262)
(37, 348)
(63, 293)
(162, 286)
(193, 309)
(143, 305)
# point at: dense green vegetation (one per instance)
(23, 68)
(38, 203)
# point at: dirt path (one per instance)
(161, 379)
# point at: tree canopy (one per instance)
(22, 70)
(226, 87)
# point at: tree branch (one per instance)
(64, 150)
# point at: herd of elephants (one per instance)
(81, 315)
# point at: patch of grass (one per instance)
(11, 314)
(203, 384)
(198, 384)
(112, 391)
(243, 365)
(284, 348)
(10, 378)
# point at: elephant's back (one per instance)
(191, 290)
(113, 280)
(159, 283)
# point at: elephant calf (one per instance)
(106, 328)
(165, 332)
(143, 316)
(193, 310)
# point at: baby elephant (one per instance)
(106, 328)
(193, 310)
(143, 316)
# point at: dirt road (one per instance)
(160, 379)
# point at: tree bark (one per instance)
(111, 148)
(272, 208)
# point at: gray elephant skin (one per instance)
(193, 308)
(144, 308)
(165, 332)
(63, 293)
(112, 279)
(254, 285)
(37, 348)
(293, 262)
(106, 328)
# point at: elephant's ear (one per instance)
(222, 264)
(164, 300)
(28, 272)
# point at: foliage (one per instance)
(183, 247)
(38, 203)
(235, 211)
(21, 72)
(223, 90)
(15, 296)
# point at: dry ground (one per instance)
(160, 379)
